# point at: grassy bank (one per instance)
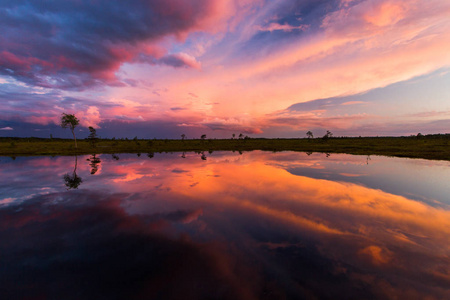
(428, 147)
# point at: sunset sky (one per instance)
(263, 68)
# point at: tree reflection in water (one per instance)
(73, 181)
(203, 156)
(94, 163)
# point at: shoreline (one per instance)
(433, 147)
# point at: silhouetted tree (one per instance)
(327, 136)
(183, 136)
(70, 121)
(241, 136)
(92, 136)
(233, 135)
(203, 136)
(310, 135)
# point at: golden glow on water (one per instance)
(384, 229)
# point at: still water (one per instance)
(224, 225)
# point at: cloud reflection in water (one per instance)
(232, 227)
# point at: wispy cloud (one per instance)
(283, 27)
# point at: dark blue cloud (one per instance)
(76, 44)
(308, 12)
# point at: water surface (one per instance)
(224, 225)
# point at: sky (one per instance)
(263, 68)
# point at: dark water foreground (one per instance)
(224, 226)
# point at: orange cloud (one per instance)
(377, 254)
(385, 13)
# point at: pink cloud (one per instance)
(43, 120)
(90, 117)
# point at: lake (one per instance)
(224, 225)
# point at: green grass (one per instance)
(428, 147)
